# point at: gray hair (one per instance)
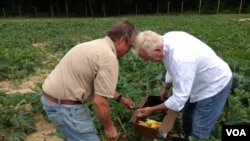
(122, 28)
(147, 41)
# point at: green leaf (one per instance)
(25, 119)
(15, 135)
(1, 131)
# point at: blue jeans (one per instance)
(199, 118)
(73, 121)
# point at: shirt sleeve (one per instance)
(168, 78)
(106, 80)
(183, 75)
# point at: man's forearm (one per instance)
(159, 107)
(117, 97)
(101, 107)
(167, 86)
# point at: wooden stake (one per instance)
(200, 7)
(182, 3)
(218, 7)
(150, 7)
(168, 7)
(4, 12)
(135, 9)
(35, 10)
(66, 8)
(85, 7)
(158, 7)
(240, 6)
(51, 9)
(20, 13)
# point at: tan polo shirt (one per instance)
(88, 68)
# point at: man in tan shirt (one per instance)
(88, 73)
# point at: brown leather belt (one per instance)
(55, 100)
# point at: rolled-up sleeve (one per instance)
(183, 75)
(168, 78)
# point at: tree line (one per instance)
(105, 8)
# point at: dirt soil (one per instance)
(45, 130)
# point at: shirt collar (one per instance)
(111, 44)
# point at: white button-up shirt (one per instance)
(193, 68)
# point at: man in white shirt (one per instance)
(200, 80)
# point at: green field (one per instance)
(31, 47)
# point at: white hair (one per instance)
(147, 41)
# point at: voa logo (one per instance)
(236, 132)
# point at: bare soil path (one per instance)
(45, 130)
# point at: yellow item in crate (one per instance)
(150, 123)
(142, 123)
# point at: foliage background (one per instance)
(107, 8)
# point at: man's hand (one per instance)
(143, 112)
(127, 103)
(164, 92)
(111, 133)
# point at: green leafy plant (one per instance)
(19, 58)
(16, 119)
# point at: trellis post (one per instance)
(240, 6)
(4, 12)
(35, 10)
(20, 13)
(200, 7)
(168, 6)
(218, 7)
(52, 12)
(182, 3)
(66, 8)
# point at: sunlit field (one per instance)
(32, 47)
